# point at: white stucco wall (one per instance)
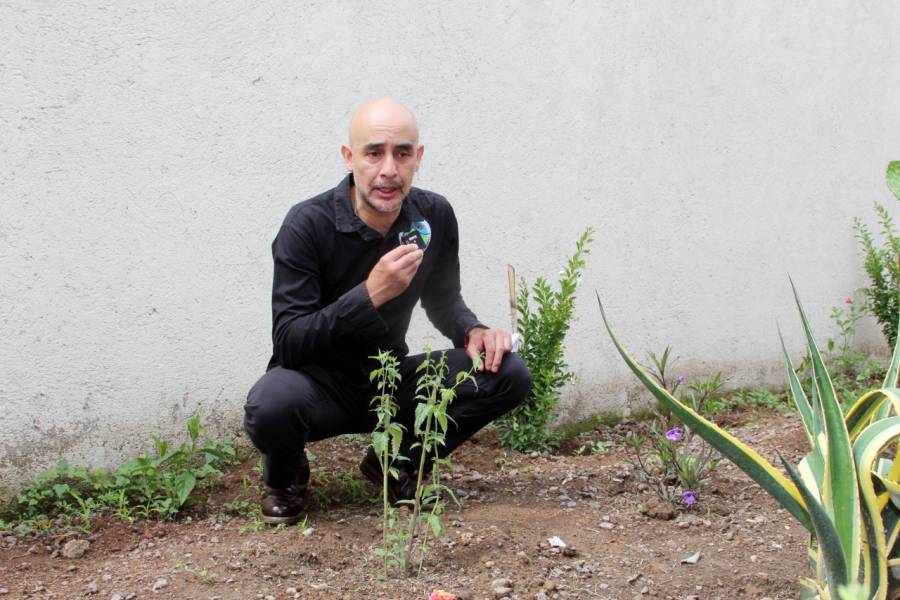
(148, 152)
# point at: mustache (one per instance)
(386, 186)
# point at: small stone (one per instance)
(91, 588)
(159, 584)
(541, 596)
(75, 548)
(3, 591)
(498, 583)
(502, 592)
(549, 586)
(489, 564)
(522, 557)
(569, 551)
(290, 590)
(607, 525)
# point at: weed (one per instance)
(158, 485)
(593, 448)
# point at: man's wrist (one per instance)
(468, 331)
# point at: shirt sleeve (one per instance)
(302, 327)
(442, 298)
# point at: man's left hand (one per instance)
(494, 343)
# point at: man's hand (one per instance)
(495, 343)
(393, 273)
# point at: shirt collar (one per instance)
(345, 219)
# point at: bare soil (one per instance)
(621, 541)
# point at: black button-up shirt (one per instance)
(323, 321)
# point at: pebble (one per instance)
(75, 548)
(502, 583)
(91, 588)
(159, 584)
(502, 592)
(3, 591)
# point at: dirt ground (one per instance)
(513, 503)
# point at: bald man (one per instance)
(350, 265)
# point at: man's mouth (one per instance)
(385, 192)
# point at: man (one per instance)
(350, 265)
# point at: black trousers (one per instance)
(286, 409)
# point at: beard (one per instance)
(381, 208)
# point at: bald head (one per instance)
(383, 153)
(382, 113)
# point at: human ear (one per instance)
(347, 153)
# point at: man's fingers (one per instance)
(401, 250)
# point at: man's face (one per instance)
(383, 154)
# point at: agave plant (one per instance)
(845, 492)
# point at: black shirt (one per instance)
(323, 321)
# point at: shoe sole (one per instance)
(281, 520)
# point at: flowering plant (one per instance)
(676, 464)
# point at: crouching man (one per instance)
(350, 265)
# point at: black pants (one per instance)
(286, 409)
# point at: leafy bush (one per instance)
(543, 327)
(845, 492)
(882, 263)
(156, 485)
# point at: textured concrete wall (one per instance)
(148, 152)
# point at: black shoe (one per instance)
(283, 506)
(399, 489)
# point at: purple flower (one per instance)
(680, 378)
(674, 434)
(689, 497)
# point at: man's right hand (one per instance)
(393, 273)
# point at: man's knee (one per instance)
(274, 407)
(515, 373)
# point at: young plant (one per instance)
(543, 326)
(882, 263)
(386, 440)
(430, 428)
(433, 396)
(845, 492)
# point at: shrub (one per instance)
(845, 492)
(544, 318)
(882, 262)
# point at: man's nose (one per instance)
(388, 166)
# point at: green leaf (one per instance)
(193, 427)
(800, 400)
(893, 177)
(829, 541)
(841, 492)
(435, 522)
(866, 450)
(184, 485)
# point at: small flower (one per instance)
(674, 434)
(689, 497)
(848, 301)
(680, 378)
